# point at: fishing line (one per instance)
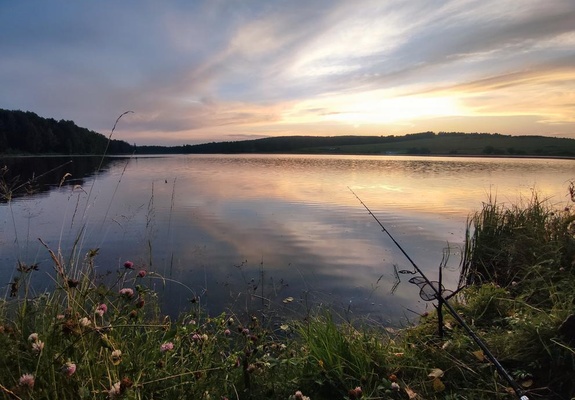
(437, 295)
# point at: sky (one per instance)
(196, 71)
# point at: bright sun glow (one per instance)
(373, 108)
(397, 110)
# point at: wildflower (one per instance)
(196, 337)
(115, 390)
(395, 386)
(69, 368)
(38, 346)
(27, 380)
(142, 273)
(355, 393)
(101, 309)
(116, 357)
(299, 396)
(129, 265)
(141, 302)
(245, 331)
(125, 383)
(204, 337)
(166, 347)
(84, 322)
(227, 332)
(33, 337)
(127, 292)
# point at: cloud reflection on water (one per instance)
(291, 216)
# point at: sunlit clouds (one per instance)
(215, 70)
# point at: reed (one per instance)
(503, 244)
(520, 268)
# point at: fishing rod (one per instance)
(437, 291)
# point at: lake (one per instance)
(247, 232)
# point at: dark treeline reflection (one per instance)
(22, 176)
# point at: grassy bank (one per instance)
(90, 339)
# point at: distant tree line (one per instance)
(26, 132)
(282, 144)
(422, 143)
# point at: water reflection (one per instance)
(36, 175)
(244, 230)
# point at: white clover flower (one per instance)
(69, 368)
(298, 396)
(38, 346)
(127, 292)
(27, 380)
(115, 390)
(166, 347)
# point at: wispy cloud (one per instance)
(215, 70)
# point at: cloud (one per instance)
(205, 70)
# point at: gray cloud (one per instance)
(196, 66)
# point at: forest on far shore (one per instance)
(24, 132)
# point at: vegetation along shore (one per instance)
(27, 133)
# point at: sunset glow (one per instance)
(206, 71)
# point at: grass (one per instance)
(86, 340)
(95, 338)
(520, 266)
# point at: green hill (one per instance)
(471, 144)
(426, 143)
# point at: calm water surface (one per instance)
(246, 231)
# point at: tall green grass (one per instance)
(520, 265)
(504, 244)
